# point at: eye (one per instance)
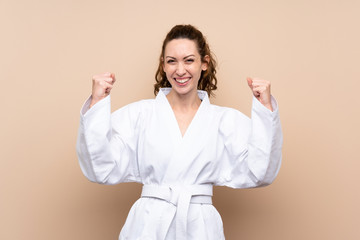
(190, 60)
(170, 61)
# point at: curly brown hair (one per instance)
(208, 80)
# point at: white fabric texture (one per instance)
(142, 143)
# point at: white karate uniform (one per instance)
(142, 142)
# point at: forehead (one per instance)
(181, 47)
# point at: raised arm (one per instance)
(252, 146)
(106, 144)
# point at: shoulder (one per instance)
(227, 113)
(230, 120)
(141, 105)
(134, 110)
(136, 106)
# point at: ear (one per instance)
(162, 63)
(205, 63)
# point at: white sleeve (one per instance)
(252, 152)
(106, 144)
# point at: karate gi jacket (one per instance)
(142, 142)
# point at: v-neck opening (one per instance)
(202, 95)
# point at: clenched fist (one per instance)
(261, 90)
(101, 86)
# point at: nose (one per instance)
(180, 70)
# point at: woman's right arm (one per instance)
(106, 144)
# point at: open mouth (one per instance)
(182, 80)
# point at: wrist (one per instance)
(93, 101)
(269, 106)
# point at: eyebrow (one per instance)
(191, 55)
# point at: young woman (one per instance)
(179, 145)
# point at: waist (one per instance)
(196, 194)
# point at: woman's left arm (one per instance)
(252, 147)
(265, 140)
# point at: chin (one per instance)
(183, 90)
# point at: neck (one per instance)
(184, 102)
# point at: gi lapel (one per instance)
(190, 145)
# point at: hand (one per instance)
(101, 86)
(261, 90)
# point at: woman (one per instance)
(178, 145)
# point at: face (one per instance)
(183, 66)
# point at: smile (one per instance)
(182, 80)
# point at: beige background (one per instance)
(308, 49)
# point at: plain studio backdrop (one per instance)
(309, 50)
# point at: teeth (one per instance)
(182, 80)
